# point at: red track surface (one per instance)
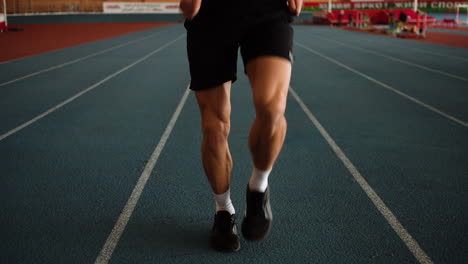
(40, 38)
(449, 27)
(455, 40)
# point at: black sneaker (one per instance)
(224, 235)
(258, 217)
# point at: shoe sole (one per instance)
(225, 250)
(253, 238)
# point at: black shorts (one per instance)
(258, 27)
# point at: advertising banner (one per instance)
(386, 4)
(136, 8)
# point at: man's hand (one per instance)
(295, 6)
(190, 8)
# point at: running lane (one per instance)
(23, 100)
(444, 92)
(20, 67)
(320, 214)
(439, 57)
(66, 178)
(414, 158)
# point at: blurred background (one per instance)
(55, 6)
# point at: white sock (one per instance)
(259, 180)
(224, 203)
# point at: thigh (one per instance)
(269, 77)
(266, 48)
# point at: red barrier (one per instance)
(439, 4)
(376, 16)
(3, 26)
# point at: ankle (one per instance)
(259, 180)
(224, 203)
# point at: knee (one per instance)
(270, 115)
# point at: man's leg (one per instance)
(269, 77)
(215, 110)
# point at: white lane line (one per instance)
(412, 244)
(53, 109)
(433, 109)
(79, 59)
(396, 59)
(114, 237)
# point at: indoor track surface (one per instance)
(100, 154)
